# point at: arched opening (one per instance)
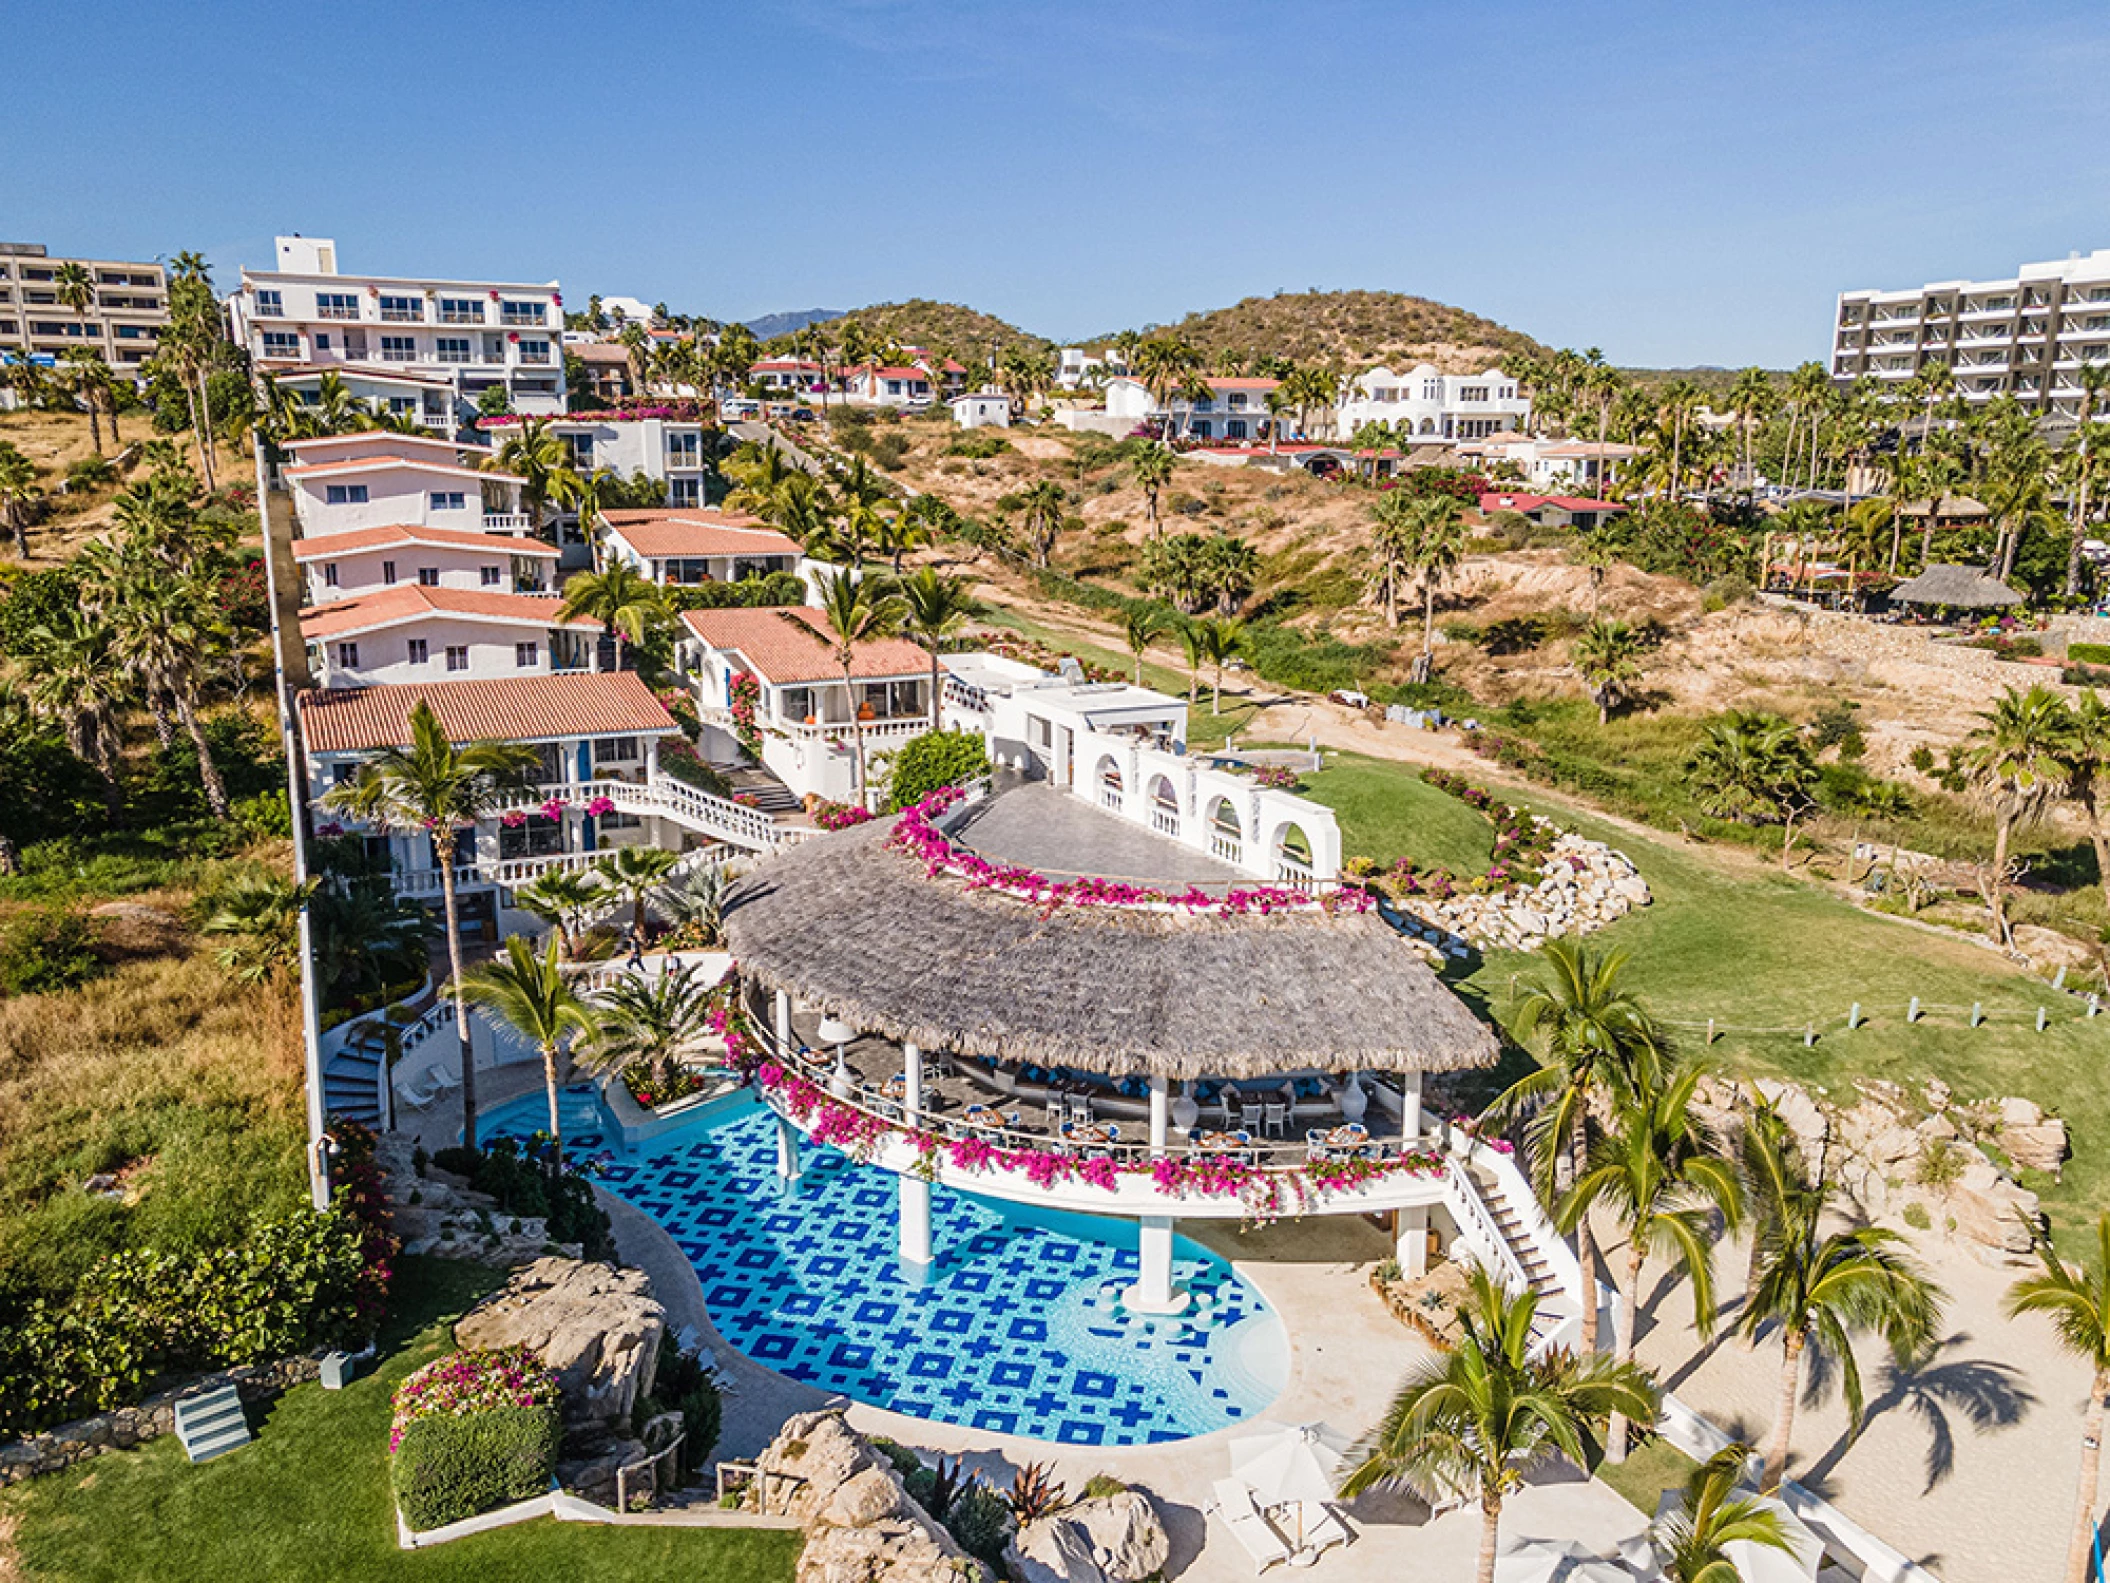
(1226, 835)
(1428, 425)
(1108, 776)
(1292, 856)
(1164, 806)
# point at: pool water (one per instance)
(1015, 1329)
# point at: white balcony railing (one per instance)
(508, 522)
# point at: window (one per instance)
(615, 750)
(398, 349)
(491, 576)
(1236, 400)
(449, 500)
(388, 573)
(270, 305)
(348, 656)
(343, 774)
(684, 450)
(322, 341)
(519, 313)
(684, 491)
(344, 494)
(620, 821)
(1235, 429)
(428, 577)
(281, 343)
(417, 651)
(402, 310)
(329, 574)
(526, 656)
(452, 349)
(457, 656)
(796, 703)
(461, 310)
(539, 837)
(336, 305)
(1201, 430)
(1472, 393)
(534, 351)
(1432, 390)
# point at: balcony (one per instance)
(397, 354)
(530, 359)
(684, 461)
(461, 316)
(270, 310)
(333, 312)
(402, 316)
(508, 522)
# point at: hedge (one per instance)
(449, 1468)
(2088, 653)
(935, 759)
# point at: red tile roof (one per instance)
(785, 646)
(657, 535)
(413, 601)
(331, 545)
(1242, 384)
(516, 709)
(1504, 501)
(384, 438)
(377, 464)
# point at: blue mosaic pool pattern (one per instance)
(1016, 1329)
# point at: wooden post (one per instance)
(1912, 1012)
(1809, 1035)
(1977, 1013)
(1853, 1016)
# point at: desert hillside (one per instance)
(1356, 329)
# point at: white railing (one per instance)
(1110, 796)
(508, 522)
(1477, 1222)
(500, 871)
(1293, 869)
(1166, 821)
(733, 823)
(821, 730)
(1226, 847)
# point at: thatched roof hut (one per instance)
(1958, 587)
(1949, 508)
(859, 929)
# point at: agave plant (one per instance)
(1035, 1493)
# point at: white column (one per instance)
(1160, 1111)
(912, 1080)
(1411, 1246)
(652, 758)
(787, 1150)
(783, 1020)
(1410, 1107)
(1154, 1292)
(915, 1226)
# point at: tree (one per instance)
(2019, 756)
(2077, 1301)
(856, 610)
(1191, 646)
(1152, 467)
(1754, 768)
(1607, 657)
(1660, 1169)
(1141, 626)
(74, 286)
(563, 899)
(652, 1020)
(1476, 1420)
(1041, 510)
(1692, 1539)
(1751, 399)
(627, 603)
(633, 874)
(1822, 1291)
(72, 678)
(935, 608)
(1676, 408)
(1595, 1043)
(530, 994)
(1437, 545)
(20, 496)
(169, 632)
(434, 786)
(258, 917)
(2088, 758)
(1394, 541)
(1219, 640)
(532, 452)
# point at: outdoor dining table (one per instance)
(895, 1088)
(985, 1116)
(1094, 1132)
(1221, 1142)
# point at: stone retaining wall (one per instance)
(125, 1427)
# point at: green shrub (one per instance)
(981, 1523)
(2088, 653)
(1917, 1218)
(523, 1187)
(1102, 1485)
(46, 950)
(980, 445)
(904, 1460)
(450, 1468)
(890, 450)
(933, 760)
(778, 588)
(682, 1385)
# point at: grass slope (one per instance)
(1385, 815)
(309, 1502)
(1354, 327)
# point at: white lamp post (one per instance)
(842, 1082)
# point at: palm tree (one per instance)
(1777, 1190)
(1823, 1290)
(73, 678)
(1595, 1042)
(169, 631)
(19, 496)
(1152, 467)
(857, 610)
(1220, 639)
(1675, 410)
(2094, 379)
(434, 786)
(1476, 1420)
(697, 901)
(2088, 757)
(258, 916)
(1660, 1169)
(1393, 545)
(936, 608)
(90, 378)
(1141, 626)
(1753, 768)
(1439, 536)
(1607, 657)
(627, 603)
(2077, 1301)
(2020, 756)
(1191, 645)
(1041, 510)
(633, 874)
(1751, 398)
(562, 898)
(538, 457)
(650, 1019)
(1692, 1539)
(74, 286)
(530, 995)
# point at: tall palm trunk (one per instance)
(95, 424)
(450, 909)
(1630, 1301)
(2079, 1550)
(1577, 1151)
(937, 714)
(1784, 1413)
(1427, 660)
(158, 708)
(1490, 1536)
(857, 737)
(1996, 884)
(208, 771)
(2098, 837)
(556, 1129)
(207, 451)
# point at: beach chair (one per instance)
(1234, 1504)
(1323, 1528)
(419, 1091)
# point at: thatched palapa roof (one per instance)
(858, 929)
(1949, 508)
(1964, 587)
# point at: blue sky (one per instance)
(1675, 183)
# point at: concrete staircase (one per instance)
(1555, 1305)
(351, 1078)
(764, 792)
(212, 1424)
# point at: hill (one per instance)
(951, 327)
(1359, 328)
(1709, 379)
(771, 325)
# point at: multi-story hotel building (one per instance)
(2025, 336)
(429, 348)
(123, 319)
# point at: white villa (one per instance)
(377, 479)
(1431, 405)
(699, 546)
(340, 565)
(1235, 409)
(413, 631)
(422, 346)
(674, 451)
(1554, 466)
(982, 409)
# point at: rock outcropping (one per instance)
(439, 1213)
(861, 1525)
(1584, 885)
(1115, 1539)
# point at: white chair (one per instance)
(418, 1092)
(1323, 1528)
(1234, 1504)
(1274, 1120)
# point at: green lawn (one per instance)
(1386, 813)
(309, 1500)
(1647, 1472)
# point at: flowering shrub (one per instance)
(1277, 777)
(747, 729)
(512, 819)
(472, 1382)
(653, 1089)
(553, 809)
(599, 807)
(839, 815)
(915, 834)
(1523, 845)
(1030, 651)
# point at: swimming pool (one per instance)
(1016, 1328)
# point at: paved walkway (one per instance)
(1063, 836)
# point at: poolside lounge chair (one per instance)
(419, 1091)
(1234, 1504)
(1323, 1528)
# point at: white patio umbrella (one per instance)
(1556, 1561)
(1283, 1463)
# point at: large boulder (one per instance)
(597, 1327)
(1115, 1539)
(861, 1525)
(1990, 1208)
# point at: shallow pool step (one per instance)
(212, 1424)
